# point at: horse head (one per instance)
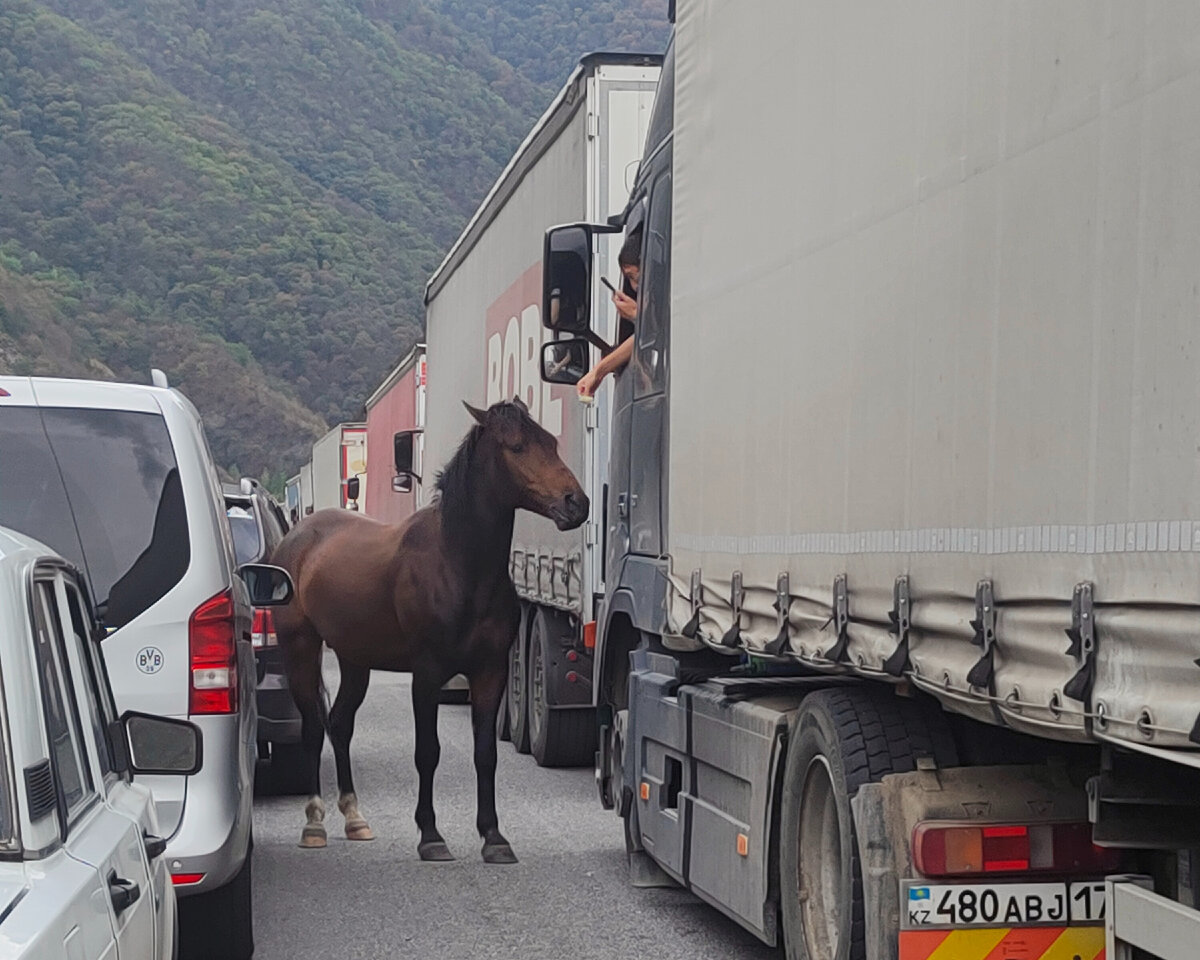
(528, 467)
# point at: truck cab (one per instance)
(633, 523)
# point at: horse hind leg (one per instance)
(351, 691)
(302, 661)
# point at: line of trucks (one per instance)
(884, 634)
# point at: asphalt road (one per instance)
(567, 898)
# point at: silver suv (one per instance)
(118, 478)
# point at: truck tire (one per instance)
(840, 739)
(557, 738)
(288, 770)
(518, 709)
(220, 925)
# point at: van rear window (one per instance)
(102, 488)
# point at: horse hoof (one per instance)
(498, 853)
(435, 851)
(358, 830)
(312, 837)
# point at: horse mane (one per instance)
(454, 479)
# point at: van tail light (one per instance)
(956, 849)
(263, 633)
(213, 644)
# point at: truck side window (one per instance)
(654, 300)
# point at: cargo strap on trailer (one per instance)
(1139, 919)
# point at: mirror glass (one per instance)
(402, 483)
(564, 361)
(402, 445)
(566, 279)
(161, 745)
(269, 586)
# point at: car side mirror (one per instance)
(152, 745)
(269, 586)
(564, 361)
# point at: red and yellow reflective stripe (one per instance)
(1021, 943)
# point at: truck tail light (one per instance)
(213, 645)
(263, 632)
(589, 635)
(953, 849)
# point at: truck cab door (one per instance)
(648, 372)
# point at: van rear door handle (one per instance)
(155, 846)
(123, 893)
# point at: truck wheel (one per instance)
(841, 738)
(518, 709)
(220, 924)
(289, 769)
(557, 738)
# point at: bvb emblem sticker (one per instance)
(149, 659)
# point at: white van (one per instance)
(118, 478)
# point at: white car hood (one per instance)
(13, 884)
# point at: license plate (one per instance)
(1001, 904)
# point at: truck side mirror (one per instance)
(404, 458)
(352, 488)
(567, 276)
(564, 361)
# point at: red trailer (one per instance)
(397, 406)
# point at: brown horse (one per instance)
(431, 595)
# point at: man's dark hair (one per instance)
(631, 250)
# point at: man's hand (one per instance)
(626, 306)
(588, 383)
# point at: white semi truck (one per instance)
(899, 643)
(484, 335)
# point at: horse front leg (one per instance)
(487, 687)
(426, 689)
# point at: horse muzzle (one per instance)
(570, 511)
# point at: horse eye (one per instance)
(518, 448)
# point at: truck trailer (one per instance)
(396, 415)
(337, 458)
(484, 334)
(897, 655)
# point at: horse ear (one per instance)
(479, 415)
(520, 404)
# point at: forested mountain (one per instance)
(251, 193)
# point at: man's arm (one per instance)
(615, 361)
